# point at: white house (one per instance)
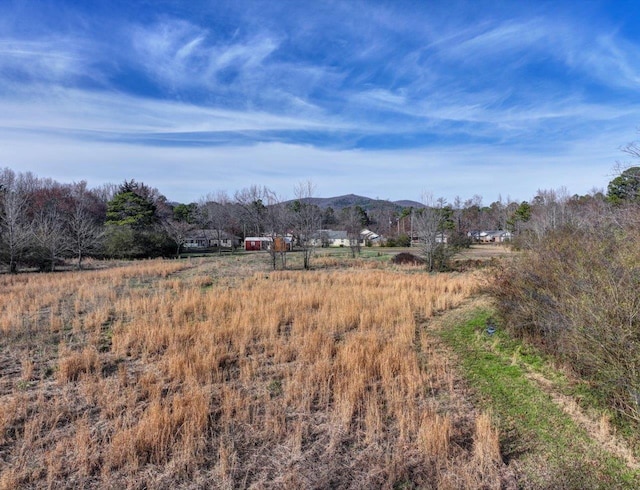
(368, 236)
(330, 238)
(340, 238)
(210, 238)
(493, 236)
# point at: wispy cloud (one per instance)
(51, 60)
(181, 54)
(505, 38)
(77, 110)
(446, 92)
(612, 61)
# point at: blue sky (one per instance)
(384, 99)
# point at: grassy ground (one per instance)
(218, 372)
(547, 440)
(485, 251)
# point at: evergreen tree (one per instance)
(133, 223)
(625, 187)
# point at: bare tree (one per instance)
(632, 149)
(215, 213)
(178, 231)
(250, 202)
(384, 217)
(549, 211)
(471, 219)
(14, 224)
(276, 220)
(106, 192)
(593, 210)
(85, 229)
(499, 214)
(307, 219)
(429, 222)
(49, 235)
(352, 220)
(262, 212)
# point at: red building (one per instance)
(253, 243)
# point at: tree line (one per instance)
(43, 222)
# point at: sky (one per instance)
(387, 99)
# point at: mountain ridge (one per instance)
(347, 200)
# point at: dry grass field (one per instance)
(217, 373)
(485, 251)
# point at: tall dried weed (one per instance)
(318, 375)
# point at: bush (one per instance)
(399, 241)
(576, 294)
(403, 240)
(459, 241)
(126, 242)
(407, 258)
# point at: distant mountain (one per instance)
(409, 204)
(366, 203)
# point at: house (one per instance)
(200, 239)
(340, 238)
(253, 243)
(503, 236)
(440, 237)
(491, 236)
(330, 238)
(369, 237)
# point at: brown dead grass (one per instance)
(167, 373)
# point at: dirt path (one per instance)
(452, 395)
(598, 430)
(595, 425)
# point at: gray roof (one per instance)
(333, 234)
(211, 235)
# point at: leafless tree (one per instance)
(250, 202)
(276, 220)
(429, 222)
(499, 214)
(49, 235)
(263, 212)
(215, 213)
(106, 192)
(14, 224)
(307, 219)
(549, 211)
(471, 214)
(352, 220)
(178, 231)
(85, 229)
(384, 217)
(632, 149)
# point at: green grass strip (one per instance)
(547, 448)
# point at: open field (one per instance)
(485, 251)
(219, 373)
(478, 251)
